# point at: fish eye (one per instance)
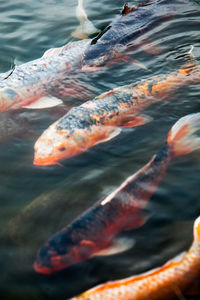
(62, 149)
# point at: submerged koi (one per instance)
(165, 282)
(30, 84)
(102, 118)
(94, 231)
(127, 32)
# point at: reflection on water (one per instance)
(36, 202)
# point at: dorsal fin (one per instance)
(94, 41)
(126, 10)
(9, 73)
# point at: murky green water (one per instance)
(54, 196)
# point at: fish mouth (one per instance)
(42, 269)
(44, 161)
(56, 265)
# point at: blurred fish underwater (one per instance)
(94, 231)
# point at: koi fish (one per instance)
(30, 85)
(127, 32)
(165, 282)
(102, 118)
(93, 233)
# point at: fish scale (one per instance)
(164, 282)
(94, 231)
(33, 80)
(102, 118)
(126, 29)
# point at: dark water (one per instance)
(36, 202)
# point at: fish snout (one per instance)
(43, 152)
(54, 146)
(49, 260)
(43, 260)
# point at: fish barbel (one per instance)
(166, 282)
(93, 232)
(30, 84)
(102, 118)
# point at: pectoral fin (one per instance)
(137, 63)
(137, 121)
(150, 47)
(119, 245)
(138, 221)
(112, 132)
(44, 102)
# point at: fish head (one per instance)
(55, 145)
(8, 99)
(51, 258)
(61, 252)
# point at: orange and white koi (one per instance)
(95, 231)
(102, 118)
(165, 282)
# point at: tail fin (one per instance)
(86, 27)
(196, 230)
(182, 137)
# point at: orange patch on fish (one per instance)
(181, 133)
(110, 93)
(143, 89)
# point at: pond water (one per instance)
(35, 202)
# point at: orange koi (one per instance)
(103, 118)
(165, 282)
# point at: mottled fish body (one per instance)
(102, 118)
(94, 232)
(166, 282)
(30, 85)
(127, 30)
(34, 81)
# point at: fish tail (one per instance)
(196, 230)
(86, 27)
(184, 136)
